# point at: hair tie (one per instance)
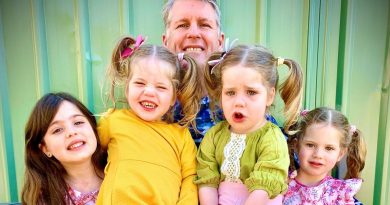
(304, 112)
(352, 130)
(182, 62)
(129, 51)
(280, 61)
(215, 62)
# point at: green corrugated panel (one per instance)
(382, 178)
(365, 49)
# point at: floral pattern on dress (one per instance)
(329, 191)
(79, 198)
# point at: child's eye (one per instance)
(56, 130)
(251, 92)
(139, 83)
(230, 93)
(162, 87)
(79, 122)
(310, 145)
(329, 148)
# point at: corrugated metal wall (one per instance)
(57, 45)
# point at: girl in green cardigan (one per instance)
(244, 159)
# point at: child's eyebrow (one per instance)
(71, 117)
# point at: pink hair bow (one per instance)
(128, 51)
(304, 112)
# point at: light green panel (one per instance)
(285, 32)
(365, 49)
(383, 149)
(149, 21)
(21, 75)
(237, 26)
(328, 53)
(62, 45)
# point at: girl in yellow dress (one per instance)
(151, 160)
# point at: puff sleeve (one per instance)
(271, 169)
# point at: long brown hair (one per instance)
(262, 60)
(184, 76)
(351, 140)
(44, 181)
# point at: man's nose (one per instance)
(193, 31)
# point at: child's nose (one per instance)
(239, 101)
(149, 91)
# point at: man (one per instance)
(194, 27)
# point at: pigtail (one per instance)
(189, 95)
(356, 155)
(213, 82)
(291, 91)
(118, 69)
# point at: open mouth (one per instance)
(238, 117)
(148, 105)
(75, 145)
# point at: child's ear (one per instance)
(271, 96)
(342, 153)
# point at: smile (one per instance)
(148, 105)
(76, 145)
(191, 49)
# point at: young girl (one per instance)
(245, 158)
(324, 136)
(150, 159)
(64, 159)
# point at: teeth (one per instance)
(194, 49)
(76, 145)
(148, 105)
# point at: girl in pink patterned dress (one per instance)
(323, 137)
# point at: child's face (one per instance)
(150, 89)
(70, 137)
(245, 98)
(318, 152)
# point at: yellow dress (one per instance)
(148, 162)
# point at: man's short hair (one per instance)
(168, 6)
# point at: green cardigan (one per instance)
(264, 162)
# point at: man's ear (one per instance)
(164, 39)
(221, 41)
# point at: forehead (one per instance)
(66, 110)
(152, 66)
(248, 75)
(323, 133)
(192, 9)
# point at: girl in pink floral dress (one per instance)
(324, 136)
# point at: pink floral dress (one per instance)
(79, 198)
(329, 191)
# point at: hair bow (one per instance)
(304, 112)
(182, 61)
(128, 51)
(352, 130)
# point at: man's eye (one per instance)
(205, 25)
(182, 26)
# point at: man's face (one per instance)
(192, 28)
